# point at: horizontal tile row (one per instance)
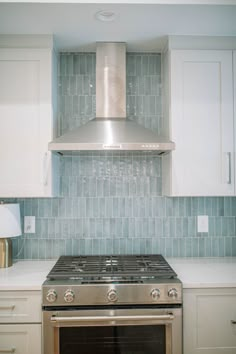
(81, 108)
(109, 166)
(77, 85)
(143, 85)
(168, 247)
(141, 64)
(71, 64)
(128, 207)
(103, 227)
(110, 186)
(85, 85)
(142, 106)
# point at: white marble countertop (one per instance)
(205, 272)
(25, 275)
(193, 272)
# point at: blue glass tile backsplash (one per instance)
(111, 202)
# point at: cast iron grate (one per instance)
(111, 266)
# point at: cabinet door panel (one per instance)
(216, 312)
(202, 123)
(19, 122)
(20, 339)
(26, 124)
(207, 321)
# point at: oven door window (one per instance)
(149, 339)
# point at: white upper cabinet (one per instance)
(199, 104)
(27, 87)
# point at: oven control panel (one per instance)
(105, 294)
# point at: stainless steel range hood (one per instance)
(111, 130)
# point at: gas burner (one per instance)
(128, 267)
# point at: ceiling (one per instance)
(141, 26)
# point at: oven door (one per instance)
(113, 331)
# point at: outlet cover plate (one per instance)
(202, 223)
(29, 224)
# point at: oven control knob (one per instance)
(51, 295)
(173, 293)
(69, 295)
(112, 295)
(155, 294)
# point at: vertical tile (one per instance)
(208, 242)
(182, 250)
(234, 206)
(162, 245)
(195, 247)
(159, 229)
(202, 247)
(148, 246)
(228, 246)
(176, 247)
(156, 246)
(138, 64)
(131, 227)
(192, 226)
(136, 246)
(218, 226)
(179, 227)
(189, 247)
(227, 206)
(233, 246)
(221, 247)
(169, 247)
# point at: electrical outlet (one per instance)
(29, 224)
(202, 223)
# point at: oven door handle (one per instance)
(68, 320)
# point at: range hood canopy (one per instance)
(111, 130)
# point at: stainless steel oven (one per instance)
(112, 314)
(107, 331)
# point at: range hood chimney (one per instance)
(111, 130)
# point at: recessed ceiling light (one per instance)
(105, 16)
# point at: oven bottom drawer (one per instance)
(136, 331)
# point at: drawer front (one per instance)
(20, 339)
(20, 306)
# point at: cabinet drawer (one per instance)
(20, 306)
(20, 339)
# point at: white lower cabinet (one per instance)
(209, 320)
(20, 322)
(20, 338)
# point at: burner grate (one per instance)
(113, 266)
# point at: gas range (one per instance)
(111, 280)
